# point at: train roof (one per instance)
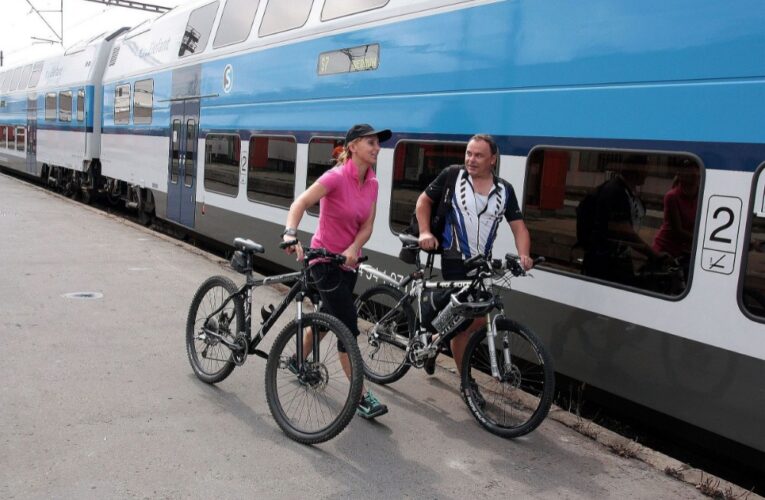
(209, 29)
(73, 66)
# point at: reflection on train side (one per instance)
(753, 290)
(620, 217)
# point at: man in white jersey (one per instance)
(479, 203)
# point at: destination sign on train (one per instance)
(362, 58)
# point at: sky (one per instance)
(82, 20)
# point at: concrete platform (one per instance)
(98, 399)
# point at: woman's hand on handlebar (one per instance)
(351, 255)
(292, 245)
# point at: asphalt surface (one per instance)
(98, 399)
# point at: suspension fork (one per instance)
(299, 332)
(491, 336)
(315, 336)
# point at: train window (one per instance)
(235, 22)
(35, 77)
(65, 106)
(322, 155)
(3, 136)
(284, 15)
(415, 165)
(190, 158)
(175, 151)
(198, 30)
(753, 290)
(340, 8)
(15, 79)
(11, 138)
(25, 76)
(50, 106)
(621, 217)
(271, 171)
(122, 104)
(6, 81)
(143, 101)
(222, 163)
(21, 140)
(80, 105)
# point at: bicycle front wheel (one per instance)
(385, 331)
(312, 401)
(210, 359)
(517, 402)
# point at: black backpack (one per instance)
(437, 217)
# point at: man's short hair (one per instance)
(488, 140)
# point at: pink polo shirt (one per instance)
(345, 207)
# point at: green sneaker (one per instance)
(369, 407)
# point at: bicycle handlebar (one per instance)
(285, 244)
(511, 263)
(320, 253)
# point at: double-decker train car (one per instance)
(53, 115)
(217, 114)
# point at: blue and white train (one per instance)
(216, 114)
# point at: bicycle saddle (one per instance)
(248, 245)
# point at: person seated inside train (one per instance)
(618, 213)
(675, 236)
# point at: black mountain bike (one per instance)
(507, 374)
(308, 393)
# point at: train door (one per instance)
(182, 168)
(32, 135)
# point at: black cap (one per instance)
(364, 130)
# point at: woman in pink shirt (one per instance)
(347, 195)
(675, 236)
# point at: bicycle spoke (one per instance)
(210, 358)
(517, 401)
(312, 401)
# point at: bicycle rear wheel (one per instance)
(385, 332)
(520, 400)
(210, 359)
(312, 403)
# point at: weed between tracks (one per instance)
(710, 487)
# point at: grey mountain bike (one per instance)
(308, 392)
(507, 374)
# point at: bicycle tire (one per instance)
(212, 361)
(518, 404)
(384, 355)
(293, 396)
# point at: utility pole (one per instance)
(129, 4)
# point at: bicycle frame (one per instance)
(420, 284)
(297, 293)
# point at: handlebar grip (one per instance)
(285, 244)
(363, 258)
